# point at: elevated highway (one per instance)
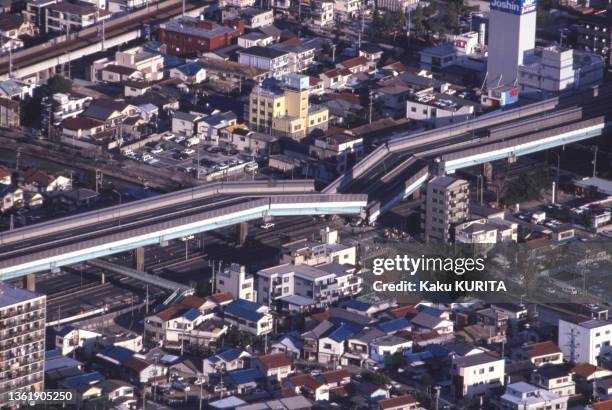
(157, 220)
(398, 168)
(39, 62)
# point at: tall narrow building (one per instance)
(22, 341)
(445, 205)
(512, 33)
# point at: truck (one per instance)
(190, 142)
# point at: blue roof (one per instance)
(343, 332)
(87, 378)
(418, 357)
(192, 314)
(394, 325)
(438, 351)
(51, 354)
(227, 403)
(245, 376)
(118, 353)
(65, 330)
(190, 68)
(229, 355)
(244, 309)
(430, 310)
(357, 305)
(60, 362)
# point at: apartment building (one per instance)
(132, 64)
(291, 287)
(253, 17)
(285, 108)
(22, 341)
(583, 341)
(342, 151)
(322, 13)
(277, 62)
(35, 12)
(595, 33)
(66, 17)
(445, 205)
(68, 106)
(524, 396)
(189, 36)
(236, 281)
(475, 375)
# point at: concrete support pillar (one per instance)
(416, 194)
(243, 231)
(29, 282)
(487, 171)
(103, 278)
(139, 259)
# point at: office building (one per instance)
(22, 341)
(445, 205)
(512, 29)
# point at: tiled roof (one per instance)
(397, 402)
(542, 349)
(275, 360)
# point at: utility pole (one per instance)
(18, 158)
(183, 8)
(371, 105)
(595, 162)
(437, 390)
(103, 36)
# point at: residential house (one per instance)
(383, 349)
(425, 322)
(355, 65)
(557, 379)
(524, 396)
(190, 73)
(237, 282)
(309, 386)
(134, 64)
(226, 360)
(68, 106)
(249, 317)
(543, 353)
(275, 366)
(405, 402)
(332, 344)
(475, 375)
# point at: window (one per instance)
(492, 369)
(221, 282)
(413, 109)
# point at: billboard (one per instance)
(518, 7)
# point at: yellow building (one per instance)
(286, 111)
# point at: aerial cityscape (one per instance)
(306, 204)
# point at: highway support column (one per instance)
(139, 259)
(243, 231)
(29, 282)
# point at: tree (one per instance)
(203, 289)
(419, 20)
(32, 110)
(378, 379)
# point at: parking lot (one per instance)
(176, 152)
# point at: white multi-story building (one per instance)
(22, 342)
(524, 396)
(323, 13)
(438, 108)
(68, 106)
(347, 9)
(552, 70)
(512, 33)
(584, 341)
(236, 281)
(249, 317)
(475, 374)
(317, 286)
(148, 66)
(66, 17)
(277, 62)
(328, 250)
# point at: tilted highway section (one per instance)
(156, 220)
(400, 166)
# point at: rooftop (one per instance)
(11, 295)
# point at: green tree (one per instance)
(419, 20)
(32, 110)
(378, 379)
